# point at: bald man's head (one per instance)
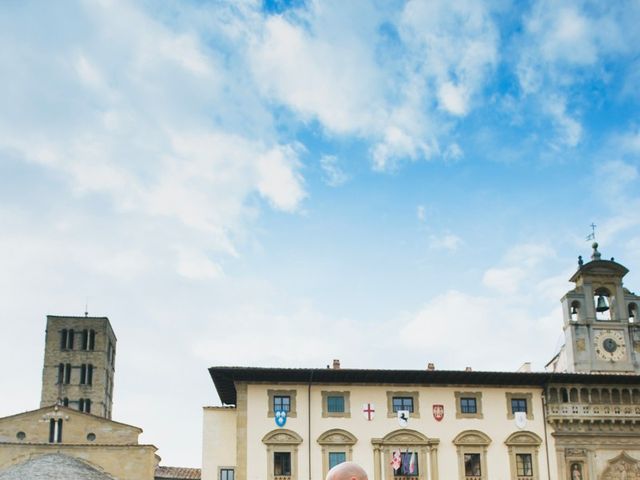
(347, 471)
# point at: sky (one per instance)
(283, 183)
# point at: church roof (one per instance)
(177, 473)
(224, 378)
(53, 466)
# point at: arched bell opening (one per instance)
(602, 303)
(633, 312)
(574, 311)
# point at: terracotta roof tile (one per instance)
(177, 473)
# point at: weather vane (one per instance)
(592, 235)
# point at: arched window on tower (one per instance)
(633, 313)
(602, 303)
(574, 311)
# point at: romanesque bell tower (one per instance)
(79, 364)
(601, 324)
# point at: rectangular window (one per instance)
(402, 403)
(336, 458)
(70, 339)
(92, 339)
(281, 403)
(227, 474)
(83, 374)
(518, 405)
(55, 431)
(282, 463)
(89, 374)
(472, 465)
(67, 373)
(63, 339)
(61, 373)
(335, 404)
(85, 339)
(468, 405)
(409, 465)
(524, 465)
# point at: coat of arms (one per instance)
(438, 412)
(281, 418)
(403, 417)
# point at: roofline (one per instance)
(225, 378)
(69, 409)
(611, 264)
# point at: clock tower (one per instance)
(601, 322)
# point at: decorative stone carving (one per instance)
(623, 467)
(575, 452)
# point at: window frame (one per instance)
(226, 470)
(524, 443)
(467, 395)
(415, 396)
(271, 394)
(284, 454)
(526, 396)
(334, 441)
(325, 404)
(471, 442)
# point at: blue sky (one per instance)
(239, 183)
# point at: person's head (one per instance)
(347, 471)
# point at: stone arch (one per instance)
(425, 448)
(282, 436)
(471, 446)
(523, 454)
(472, 437)
(524, 438)
(281, 442)
(622, 467)
(336, 441)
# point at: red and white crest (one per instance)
(369, 411)
(438, 412)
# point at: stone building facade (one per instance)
(579, 420)
(79, 364)
(72, 434)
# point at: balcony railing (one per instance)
(593, 411)
(282, 477)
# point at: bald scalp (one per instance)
(347, 471)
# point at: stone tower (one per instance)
(79, 364)
(601, 324)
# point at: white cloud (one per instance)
(334, 176)
(447, 241)
(503, 280)
(196, 266)
(421, 213)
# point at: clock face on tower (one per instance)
(609, 345)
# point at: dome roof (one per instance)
(53, 466)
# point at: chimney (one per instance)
(431, 367)
(336, 364)
(468, 369)
(525, 368)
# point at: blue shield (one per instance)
(281, 418)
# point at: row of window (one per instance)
(84, 404)
(408, 466)
(403, 454)
(468, 404)
(67, 339)
(86, 373)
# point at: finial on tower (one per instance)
(596, 254)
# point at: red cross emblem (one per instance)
(368, 410)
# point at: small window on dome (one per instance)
(91, 437)
(21, 436)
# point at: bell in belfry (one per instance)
(602, 305)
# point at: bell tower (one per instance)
(601, 324)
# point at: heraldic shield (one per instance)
(280, 418)
(438, 412)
